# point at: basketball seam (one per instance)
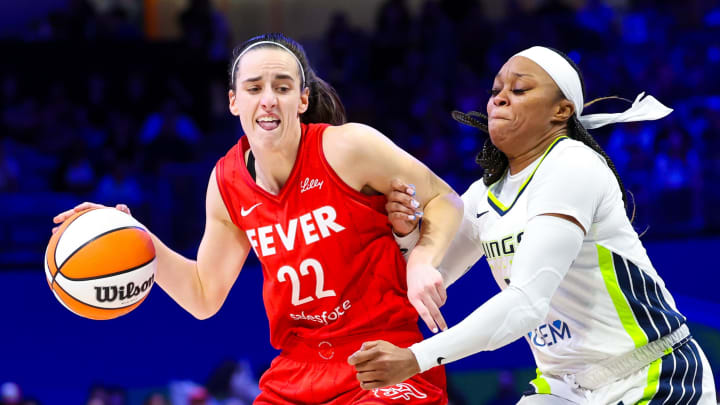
(93, 306)
(108, 275)
(98, 236)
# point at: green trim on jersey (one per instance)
(540, 383)
(653, 381)
(499, 207)
(625, 313)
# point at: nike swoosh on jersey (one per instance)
(243, 212)
(481, 214)
(439, 360)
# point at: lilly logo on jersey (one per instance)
(123, 292)
(315, 225)
(309, 184)
(548, 334)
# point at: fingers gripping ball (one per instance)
(100, 264)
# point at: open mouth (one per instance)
(268, 122)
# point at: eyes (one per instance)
(495, 91)
(282, 89)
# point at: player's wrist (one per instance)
(412, 362)
(423, 362)
(414, 233)
(399, 235)
(421, 258)
(407, 242)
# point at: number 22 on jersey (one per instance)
(306, 264)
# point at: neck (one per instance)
(522, 160)
(274, 164)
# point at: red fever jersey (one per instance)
(330, 264)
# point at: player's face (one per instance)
(521, 106)
(267, 97)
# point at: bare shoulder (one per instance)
(351, 134)
(352, 140)
(349, 149)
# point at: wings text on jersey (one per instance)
(502, 247)
(313, 226)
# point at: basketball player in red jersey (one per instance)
(307, 192)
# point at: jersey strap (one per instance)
(495, 203)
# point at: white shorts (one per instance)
(681, 377)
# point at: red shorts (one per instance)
(309, 372)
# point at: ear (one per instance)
(563, 110)
(304, 100)
(234, 108)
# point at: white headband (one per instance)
(567, 79)
(302, 71)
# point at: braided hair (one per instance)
(495, 163)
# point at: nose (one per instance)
(500, 99)
(268, 99)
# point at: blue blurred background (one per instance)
(126, 101)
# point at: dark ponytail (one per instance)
(495, 163)
(324, 102)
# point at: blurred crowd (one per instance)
(92, 109)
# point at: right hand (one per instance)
(403, 210)
(380, 364)
(426, 294)
(61, 217)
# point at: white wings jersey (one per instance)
(612, 299)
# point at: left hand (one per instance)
(403, 209)
(379, 364)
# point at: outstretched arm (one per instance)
(561, 208)
(202, 286)
(198, 286)
(540, 264)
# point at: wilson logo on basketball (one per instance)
(123, 292)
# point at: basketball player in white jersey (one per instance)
(577, 284)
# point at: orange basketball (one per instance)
(100, 264)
